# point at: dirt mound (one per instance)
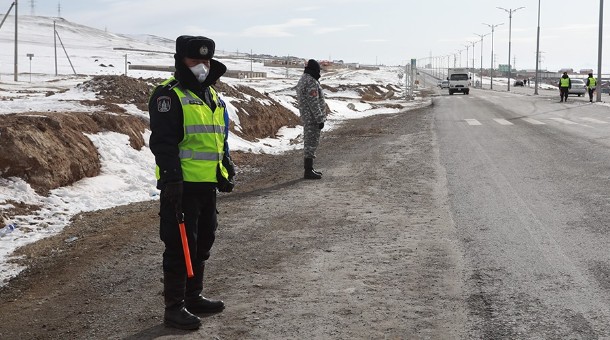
(260, 116)
(122, 89)
(50, 150)
(368, 92)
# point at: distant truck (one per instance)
(459, 80)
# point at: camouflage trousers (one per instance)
(311, 139)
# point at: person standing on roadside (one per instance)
(565, 84)
(313, 114)
(189, 124)
(591, 84)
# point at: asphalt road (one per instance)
(527, 179)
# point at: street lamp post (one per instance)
(492, 26)
(510, 19)
(537, 51)
(473, 43)
(467, 49)
(482, 36)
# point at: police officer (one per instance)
(565, 84)
(313, 114)
(591, 83)
(189, 124)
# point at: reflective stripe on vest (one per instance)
(564, 82)
(202, 149)
(592, 82)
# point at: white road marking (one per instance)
(533, 121)
(472, 122)
(564, 121)
(596, 121)
(502, 121)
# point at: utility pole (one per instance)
(510, 20)
(492, 26)
(537, 51)
(16, 49)
(55, 45)
(598, 88)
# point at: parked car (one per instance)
(605, 86)
(444, 84)
(578, 87)
(518, 83)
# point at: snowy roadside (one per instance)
(128, 171)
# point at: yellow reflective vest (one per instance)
(202, 148)
(564, 82)
(592, 82)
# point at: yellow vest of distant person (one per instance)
(202, 148)
(564, 82)
(592, 82)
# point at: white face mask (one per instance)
(200, 71)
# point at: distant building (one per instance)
(569, 70)
(244, 74)
(586, 71)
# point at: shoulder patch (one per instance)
(164, 104)
(313, 93)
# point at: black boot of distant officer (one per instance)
(310, 173)
(176, 316)
(194, 301)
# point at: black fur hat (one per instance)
(313, 65)
(196, 47)
(313, 68)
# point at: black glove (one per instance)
(227, 162)
(173, 194)
(320, 126)
(223, 185)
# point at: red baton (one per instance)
(185, 246)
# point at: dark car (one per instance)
(518, 83)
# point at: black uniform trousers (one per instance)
(563, 93)
(200, 222)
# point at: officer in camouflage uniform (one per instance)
(313, 114)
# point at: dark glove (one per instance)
(173, 194)
(227, 162)
(321, 126)
(224, 184)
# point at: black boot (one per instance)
(174, 285)
(194, 301)
(310, 173)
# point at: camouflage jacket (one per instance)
(311, 100)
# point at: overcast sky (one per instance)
(366, 31)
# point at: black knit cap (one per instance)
(196, 47)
